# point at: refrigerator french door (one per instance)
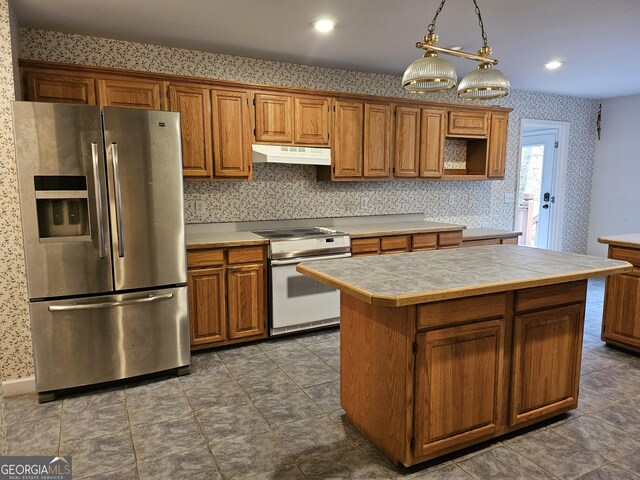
(102, 212)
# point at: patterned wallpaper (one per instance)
(13, 313)
(287, 192)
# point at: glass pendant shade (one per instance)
(429, 74)
(484, 83)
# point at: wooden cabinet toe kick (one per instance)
(425, 380)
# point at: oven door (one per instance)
(299, 302)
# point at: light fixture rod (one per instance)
(457, 53)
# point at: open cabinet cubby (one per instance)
(465, 159)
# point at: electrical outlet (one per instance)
(509, 198)
(364, 203)
(452, 200)
(470, 199)
(201, 207)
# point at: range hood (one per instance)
(293, 155)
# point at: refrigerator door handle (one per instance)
(120, 303)
(98, 191)
(118, 188)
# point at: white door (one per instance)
(536, 197)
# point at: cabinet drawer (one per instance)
(361, 246)
(468, 124)
(395, 243)
(550, 295)
(509, 241)
(449, 312)
(425, 241)
(480, 242)
(450, 239)
(626, 254)
(205, 258)
(246, 255)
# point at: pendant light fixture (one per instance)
(433, 74)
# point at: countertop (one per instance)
(420, 277)
(223, 239)
(396, 228)
(482, 233)
(631, 240)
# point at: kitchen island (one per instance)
(444, 349)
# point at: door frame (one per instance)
(559, 176)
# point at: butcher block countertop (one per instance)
(396, 228)
(631, 240)
(421, 277)
(197, 240)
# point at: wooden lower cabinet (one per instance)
(227, 295)
(207, 312)
(547, 349)
(405, 243)
(459, 384)
(246, 301)
(621, 320)
(422, 381)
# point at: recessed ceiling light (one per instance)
(324, 26)
(553, 65)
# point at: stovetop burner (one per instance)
(294, 233)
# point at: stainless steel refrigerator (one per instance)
(103, 224)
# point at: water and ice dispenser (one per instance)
(63, 209)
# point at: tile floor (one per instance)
(271, 411)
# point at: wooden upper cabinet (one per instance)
(311, 121)
(497, 148)
(547, 348)
(378, 120)
(432, 142)
(466, 123)
(207, 312)
(194, 104)
(246, 307)
(60, 88)
(347, 141)
(459, 387)
(231, 134)
(274, 118)
(130, 93)
(407, 142)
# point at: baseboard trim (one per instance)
(20, 386)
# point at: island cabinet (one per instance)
(424, 380)
(292, 119)
(621, 318)
(380, 245)
(227, 295)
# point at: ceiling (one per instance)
(599, 40)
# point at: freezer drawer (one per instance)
(98, 339)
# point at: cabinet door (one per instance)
(468, 124)
(459, 391)
(231, 134)
(497, 149)
(274, 118)
(311, 121)
(207, 305)
(246, 296)
(622, 310)
(378, 127)
(347, 143)
(58, 88)
(432, 142)
(130, 93)
(407, 142)
(547, 349)
(194, 105)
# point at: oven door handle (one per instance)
(294, 261)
